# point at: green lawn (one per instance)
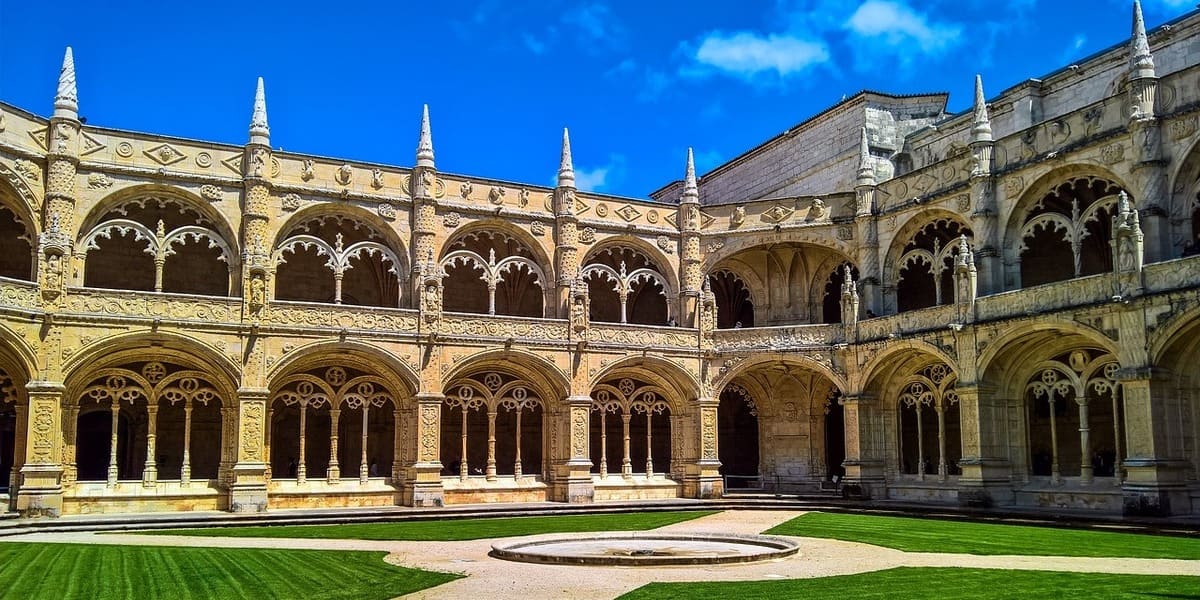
(930, 535)
(96, 572)
(449, 530)
(916, 583)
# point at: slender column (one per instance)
(492, 297)
(150, 471)
(112, 449)
(1085, 443)
(941, 415)
(517, 464)
(1055, 476)
(364, 470)
(920, 444)
(267, 442)
(491, 457)
(333, 474)
(624, 303)
(649, 459)
(70, 432)
(399, 457)
(603, 444)
(337, 287)
(1118, 462)
(302, 467)
(463, 468)
(626, 464)
(14, 473)
(185, 471)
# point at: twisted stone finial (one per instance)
(866, 172)
(66, 100)
(260, 132)
(982, 131)
(425, 141)
(566, 168)
(1141, 61)
(691, 191)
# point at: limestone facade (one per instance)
(1000, 306)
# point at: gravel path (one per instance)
(492, 578)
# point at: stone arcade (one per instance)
(999, 306)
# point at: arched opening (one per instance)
(930, 439)
(640, 416)
(626, 287)
(835, 436)
(734, 303)
(1176, 391)
(926, 267)
(785, 285)
(12, 411)
(492, 427)
(332, 420)
(489, 272)
(1073, 410)
(737, 438)
(337, 259)
(157, 244)
(16, 243)
(1067, 232)
(168, 421)
(831, 303)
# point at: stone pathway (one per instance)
(492, 578)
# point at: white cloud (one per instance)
(748, 55)
(535, 46)
(600, 178)
(898, 25)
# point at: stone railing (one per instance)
(460, 325)
(15, 293)
(175, 307)
(341, 316)
(1172, 274)
(792, 337)
(642, 336)
(1083, 291)
(913, 321)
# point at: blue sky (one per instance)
(636, 82)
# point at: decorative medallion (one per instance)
(664, 244)
(204, 160)
(451, 220)
(344, 174)
(601, 210)
(777, 214)
(652, 216)
(98, 181)
(164, 154)
(628, 212)
(1113, 153)
(211, 193)
(124, 150)
(496, 195)
(845, 232)
(291, 202)
(537, 228)
(386, 210)
(587, 235)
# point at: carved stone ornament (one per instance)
(817, 209)
(777, 214)
(306, 170)
(1013, 186)
(845, 232)
(1183, 127)
(465, 189)
(738, 217)
(587, 235)
(652, 216)
(496, 195)
(601, 210)
(28, 170)
(290, 202)
(1113, 153)
(99, 181)
(628, 212)
(124, 150)
(451, 220)
(376, 178)
(523, 198)
(963, 203)
(211, 193)
(386, 210)
(344, 175)
(664, 244)
(204, 160)
(257, 298)
(164, 154)
(537, 228)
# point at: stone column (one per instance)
(566, 230)
(986, 471)
(333, 473)
(40, 493)
(364, 469)
(1155, 469)
(150, 471)
(185, 471)
(863, 466)
(1085, 442)
(708, 465)
(248, 492)
(573, 483)
(423, 186)
(691, 257)
(425, 476)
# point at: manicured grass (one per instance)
(931, 535)
(916, 583)
(450, 530)
(96, 572)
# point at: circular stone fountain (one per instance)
(645, 549)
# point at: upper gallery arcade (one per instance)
(993, 307)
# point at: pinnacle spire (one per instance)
(66, 100)
(1141, 62)
(691, 192)
(425, 142)
(566, 169)
(866, 171)
(982, 132)
(260, 132)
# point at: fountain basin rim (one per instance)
(526, 549)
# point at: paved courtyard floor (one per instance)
(493, 578)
